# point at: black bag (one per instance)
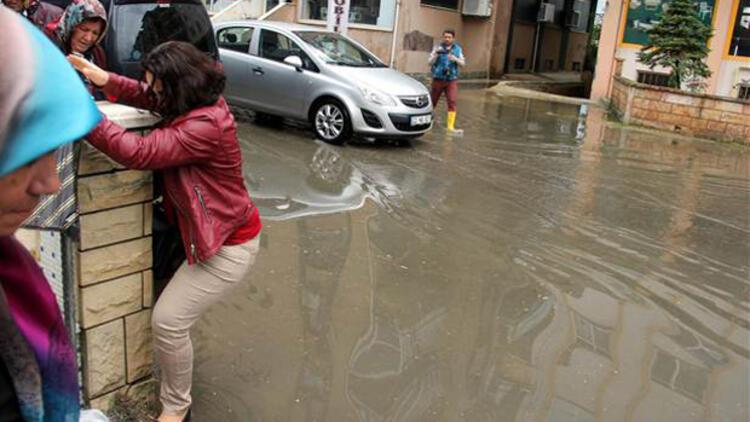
(169, 253)
(168, 250)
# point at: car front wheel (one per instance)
(331, 122)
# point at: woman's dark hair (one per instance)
(190, 78)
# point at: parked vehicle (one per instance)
(308, 73)
(137, 26)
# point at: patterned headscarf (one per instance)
(77, 12)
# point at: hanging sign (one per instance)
(338, 15)
(642, 15)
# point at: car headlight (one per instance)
(377, 97)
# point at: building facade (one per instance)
(625, 30)
(498, 37)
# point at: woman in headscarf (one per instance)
(43, 106)
(80, 30)
(39, 13)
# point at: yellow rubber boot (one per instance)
(451, 124)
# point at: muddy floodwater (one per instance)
(545, 267)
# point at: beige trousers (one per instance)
(190, 292)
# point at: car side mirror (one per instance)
(295, 61)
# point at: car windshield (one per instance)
(336, 49)
(143, 26)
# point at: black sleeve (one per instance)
(9, 411)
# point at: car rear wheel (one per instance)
(331, 122)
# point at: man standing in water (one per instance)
(445, 60)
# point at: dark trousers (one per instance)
(451, 92)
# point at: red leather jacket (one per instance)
(200, 158)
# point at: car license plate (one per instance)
(421, 120)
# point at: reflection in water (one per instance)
(545, 267)
(324, 246)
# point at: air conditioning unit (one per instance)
(574, 19)
(546, 13)
(481, 8)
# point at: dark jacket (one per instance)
(41, 14)
(201, 164)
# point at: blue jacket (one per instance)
(442, 67)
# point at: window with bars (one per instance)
(595, 337)
(743, 92)
(365, 12)
(653, 78)
(680, 376)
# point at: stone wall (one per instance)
(114, 260)
(669, 109)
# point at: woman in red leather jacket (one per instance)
(197, 151)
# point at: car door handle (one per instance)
(258, 70)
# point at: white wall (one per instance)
(729, 72)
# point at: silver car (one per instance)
(308, 73)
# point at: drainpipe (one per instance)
(535, 53)
(509, 39)
(562, 59)
(395, 33)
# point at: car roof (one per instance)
(288, 26)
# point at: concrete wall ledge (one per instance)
(632, 83)
(701, 115)
(114, 282)
(533, 91)
(560, 92)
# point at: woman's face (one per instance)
(22, 189)
(86, 35)
(155, 85)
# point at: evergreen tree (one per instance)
(679, 42)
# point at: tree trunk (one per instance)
(677, 75)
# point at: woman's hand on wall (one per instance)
(92, 72)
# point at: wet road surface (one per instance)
(544, 267)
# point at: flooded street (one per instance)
(544, 267)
